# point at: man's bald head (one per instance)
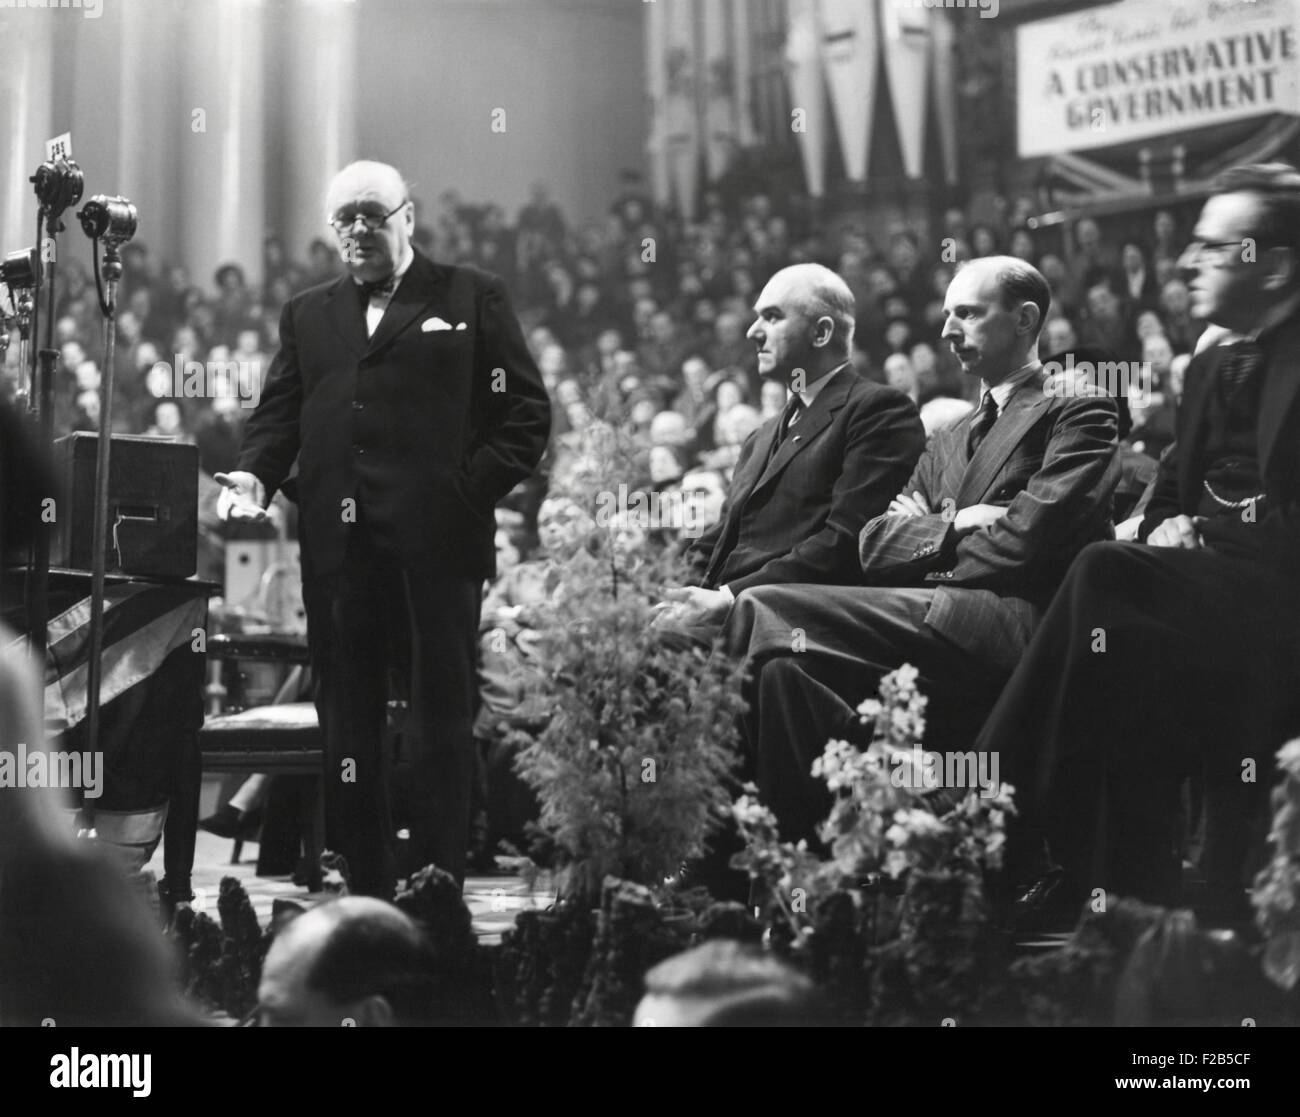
(353, 959)
(819, 292)
(363, 194)
(804, 326)
(365, 179)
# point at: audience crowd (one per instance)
(638, 320)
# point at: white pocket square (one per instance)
(434, 323)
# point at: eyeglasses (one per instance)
(370, 216)
(1216, 251)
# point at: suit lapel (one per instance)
(950, 447)
(1023, 411)
(346, 316)
(413, 295)
(743, 481)
(1190, 425)
(1277, 397)
(746, 477)
(811, 424)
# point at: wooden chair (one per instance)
(277, 739)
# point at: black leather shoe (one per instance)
(230, 822)
(1051, 903)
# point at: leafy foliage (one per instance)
(631, 766)
(894, 923)
(632, 935)
(1277, 886)
(541, 962)
(885, 819)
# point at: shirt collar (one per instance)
(811, 392)
(408, 258)
(1003, 392)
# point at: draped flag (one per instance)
(807, 91)
(850, 50)
(683, 132)
(944, 72)
(907, 56)
(143, 625)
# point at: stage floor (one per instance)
(493, 901)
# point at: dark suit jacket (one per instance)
(1053, 462)
(426, 429)
(1178, 487)
(797, 520)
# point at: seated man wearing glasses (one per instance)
(1178, 657)
(406, 395)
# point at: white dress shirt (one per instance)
(379, 303)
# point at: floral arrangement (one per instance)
(1277, 886)
(887, 818)
(893, 923)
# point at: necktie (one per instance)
(983, 422)
(793, 408)
(1242, 360)
(792, 412)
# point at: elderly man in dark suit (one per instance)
(809, 478)
(958, 569)
(406, 394)
(1178, 657)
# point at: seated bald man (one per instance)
(811, 476)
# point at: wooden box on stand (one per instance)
(153, 505)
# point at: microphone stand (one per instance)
(110, 223)
(112, 272)
(58, 185)
(42, 403)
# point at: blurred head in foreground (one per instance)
(355, 959)
(726, 984)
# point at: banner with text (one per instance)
(1143, 68)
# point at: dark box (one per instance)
(153, 505)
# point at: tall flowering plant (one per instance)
(887, 819)
(1277, 886)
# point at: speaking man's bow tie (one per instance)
(380, 288)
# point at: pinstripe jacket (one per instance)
(1052, 461)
